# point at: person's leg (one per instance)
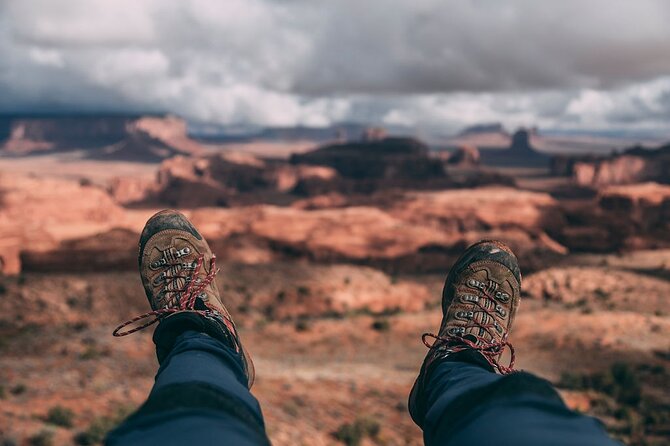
(201, 394)
(466, 403)
(458, 399)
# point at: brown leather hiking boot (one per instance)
(479, 301)
(177, 270)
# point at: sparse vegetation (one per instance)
(93, 352)
(60, 416)
(45, 437)
(381, 324)
(639, 416)
(18, 389)
(303, 324)
(619, 382)
(351, 434)
(100, 426)
(601, 294)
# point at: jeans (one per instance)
(464, 403)
(200, 398)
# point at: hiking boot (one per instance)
(479, 302)
(177, 270)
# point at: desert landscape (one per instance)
(333, 252)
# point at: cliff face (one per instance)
(633, 166)
(386, 159)
(133, 138)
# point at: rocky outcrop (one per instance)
(603, 287)
(230, 179)
(422, 231)
(619, 218)
(464, 156)
(381, 162)
(130, 138)
(38, 214)
(634, 165)
(233, 179)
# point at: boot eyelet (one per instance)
(502, 296)
(469, 298)
(159, 279)
(158, 263)
(465, 314)
(183, 252)
(501, 311)
(454, 331)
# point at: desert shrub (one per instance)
(8, 441)
(44, 437)
(381, 325)
(620, 382)
(100, 426)
(352, 434)
(60, 416)
(601, 294)
(627, 385)
(18, 389)
(93, 352)
(303, 324)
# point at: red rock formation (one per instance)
(635, 165)
(50, 230)
(133, 138)
(383, 161)
(465, 156)
(619, 218)
(229, 178)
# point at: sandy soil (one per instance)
(314, 375)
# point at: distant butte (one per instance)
(143, 138)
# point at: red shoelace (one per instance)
(185, 302)
(491, 351)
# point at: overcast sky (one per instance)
(443, 64)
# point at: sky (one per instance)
(438, 64)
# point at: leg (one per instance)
(465, 403)
(200, 397)
(458, 399)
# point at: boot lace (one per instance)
(457, 342)
(186, 295)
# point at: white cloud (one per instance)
(581, 63)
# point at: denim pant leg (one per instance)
(469, 405)
(200, 397)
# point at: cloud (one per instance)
(430, 63)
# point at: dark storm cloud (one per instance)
(419, 62)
